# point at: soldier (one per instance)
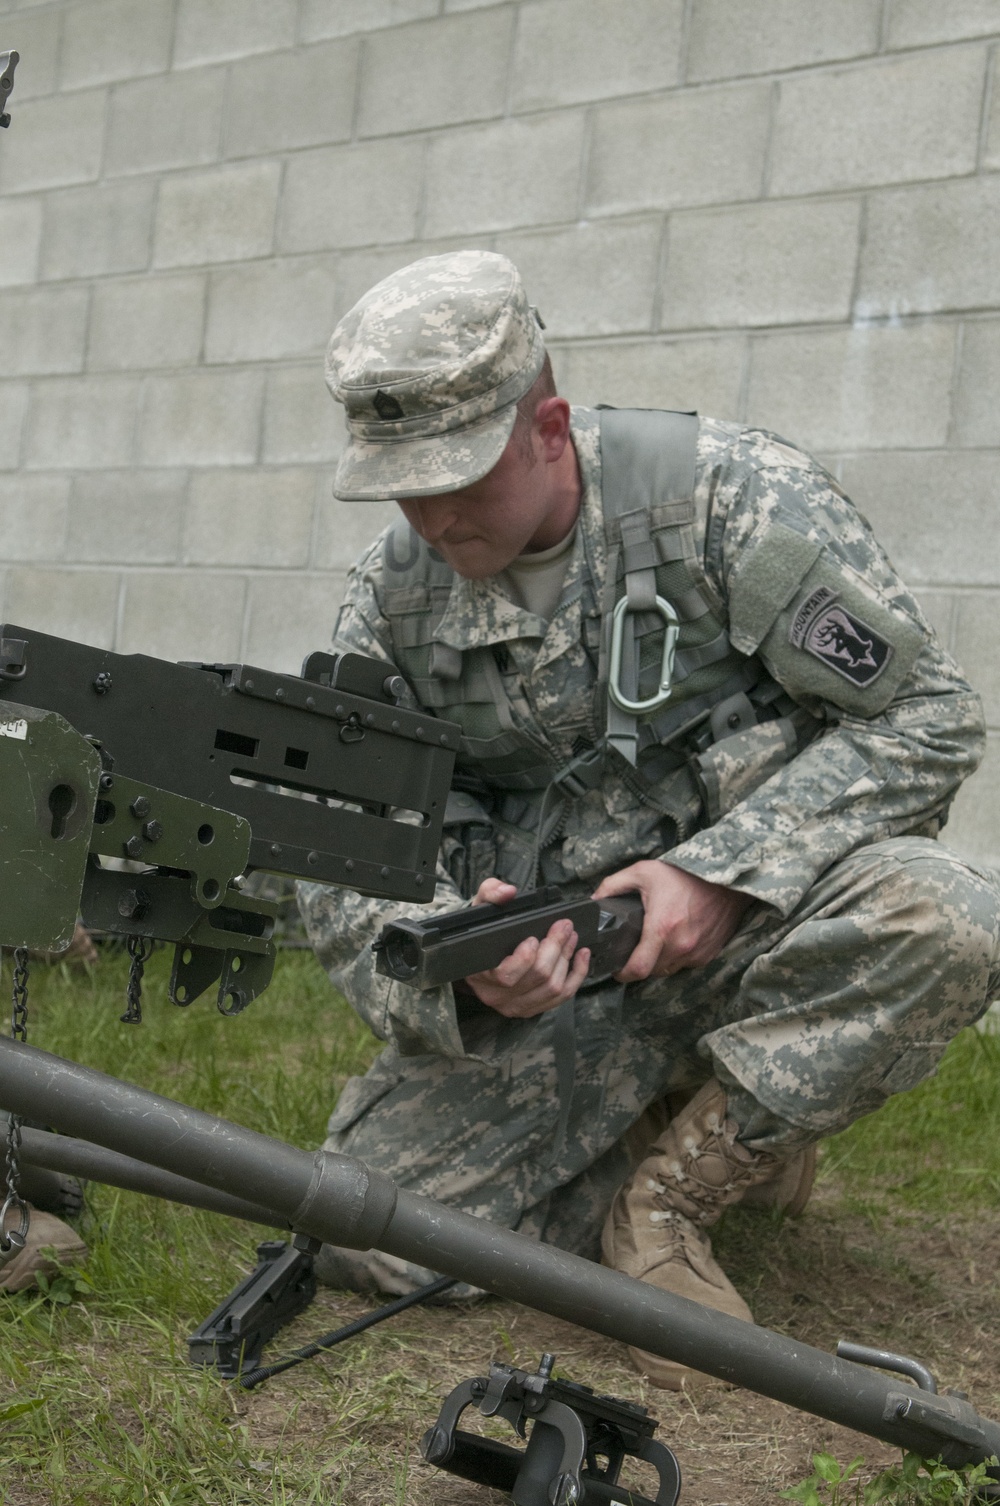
(682, 666)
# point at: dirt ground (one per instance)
(923, 1287)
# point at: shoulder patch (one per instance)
(839, 639)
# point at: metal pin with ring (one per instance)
(12, 1243)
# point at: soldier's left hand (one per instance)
(688, 920)
(538, 975)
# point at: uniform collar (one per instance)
(479, 614)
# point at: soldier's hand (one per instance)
(538, 975)
(688, 920)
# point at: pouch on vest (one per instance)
(468, 844)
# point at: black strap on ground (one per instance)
(252, 1378)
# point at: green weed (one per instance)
(915, 1482)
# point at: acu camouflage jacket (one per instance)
(794, 571)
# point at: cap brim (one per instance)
(422, 467)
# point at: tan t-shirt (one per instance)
(535, 581)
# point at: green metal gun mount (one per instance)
(139, 794)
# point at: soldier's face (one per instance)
(519, 505)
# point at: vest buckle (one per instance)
(581, 774)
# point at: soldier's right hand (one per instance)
(538, 975)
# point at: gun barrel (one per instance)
(342, 1201)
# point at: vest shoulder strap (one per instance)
(648, 459)
(648, 465)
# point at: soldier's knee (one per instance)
(951, 904)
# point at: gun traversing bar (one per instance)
(342, 1201)
(428, 951)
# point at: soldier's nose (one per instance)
(436, 516)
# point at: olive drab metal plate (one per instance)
(337, 781)
(49, 774)
(150, 825)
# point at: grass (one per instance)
(935, 1148)
(122, 1416)
(97, 1401)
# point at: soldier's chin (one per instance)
(475, 559)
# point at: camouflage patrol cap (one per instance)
(430, 365)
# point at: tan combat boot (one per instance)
(50, 1244)
(691, 1174)
(788, 1188)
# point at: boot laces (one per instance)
(697, 1190)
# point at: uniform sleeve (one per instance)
(361, 627)
(342, 925)
(810, 591)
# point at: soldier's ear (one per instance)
(551, 423)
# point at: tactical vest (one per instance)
(648, 462)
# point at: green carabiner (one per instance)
(671, 631)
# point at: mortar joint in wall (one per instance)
(855, 311)
(662, 264)
(245, 624)
(360, 64)
(882, 28)
(773, 98)
(683, 51)
(508, 89)
(956, 368)
(420, 213)
(992, 63)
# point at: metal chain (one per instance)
(19, 1000)
(140, 949)
(12, 1241)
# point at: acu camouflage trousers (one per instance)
(811, 1021)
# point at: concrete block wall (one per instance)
(780, 211)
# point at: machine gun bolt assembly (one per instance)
(152, 831)
(102, 682)
(140, 807)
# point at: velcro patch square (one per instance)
(839, 639)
